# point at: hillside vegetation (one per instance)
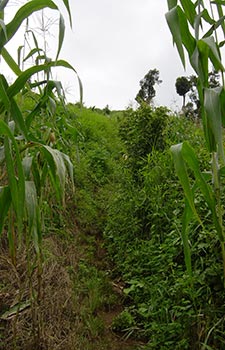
(113, 258)
(112, 222)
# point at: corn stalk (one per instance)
(198, 31)
(24, 176)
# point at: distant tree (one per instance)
(214, 81)
(147, 91)
(183, 86)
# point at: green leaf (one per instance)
(199, 61)
(34, 37)
(186, 37)
(214, 26)
(24, 12)
(27, 74)
(189, 10)
(181, 172)
(19, 54)
(32, 52)
(16, 180)
(190, 158)
(57, 169)
(2, 25)
(174, 25)
(10, 62)
(3, 4)
(171, 4)
(27, 164)
(186, 219)
(3, 93)
(18, 118)
(30, 117)
(61, 35)
(69, 167)
(14, 310)
(222, 104)
(5, 202)
(32, 213)
(214, 53)
(66, 3)
(214, 117)
(218, 2)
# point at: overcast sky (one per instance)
(113, 44)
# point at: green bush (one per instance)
(143, 239)
(142, 131)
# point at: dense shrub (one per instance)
(142, 131)
(143, 239)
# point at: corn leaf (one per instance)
(214, 53)
(171, 4)
(61, 34)
(18, 118)
(190, 158)
(198, 23)
(35, 111)
(58, 163)
(27, 164)
(189, 9)
(24, 12)
(32, 213)
(174, 25)
(3, 4)
(57, 169)
(2, 25)
(34, 37)
(16, 183)
(199, 61)
(32, 52)
(69, 167)
(66, 3)
(214, 117)
(222, 103)
(214, 26)
(27, 74)
(10, 62)
(181, 172)
(5, 202)
(3, 93)
(19, 50)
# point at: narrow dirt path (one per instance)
(79, 299)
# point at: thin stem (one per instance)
(220, 13)
(216, 184)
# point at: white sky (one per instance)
(114, 43)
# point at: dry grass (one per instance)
(64, 315)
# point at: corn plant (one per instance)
(27, 163)
(198, 31)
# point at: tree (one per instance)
(183, 86)
(147, 91)
(213, 81)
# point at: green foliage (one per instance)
(183, 85)
(142, 132)
(147, 91)
(29, 163)
(143, 237)
(211, 101)
(123, 322)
